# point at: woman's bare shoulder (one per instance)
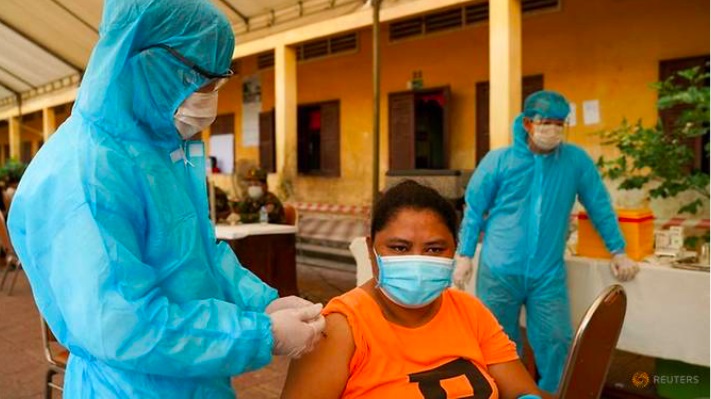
(326, 367)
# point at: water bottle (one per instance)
(263, 215)
(704, 255)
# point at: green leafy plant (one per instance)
(657, 158)
(11, 172)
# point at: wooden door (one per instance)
(330, 139)
(267, 142)
(446, 92)
(482, 120)
(401, 131)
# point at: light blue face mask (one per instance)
(413, 281)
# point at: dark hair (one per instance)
(412, 195)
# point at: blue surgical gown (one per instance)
(111, 221)
(522, 201)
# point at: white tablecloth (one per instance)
(667, 309)
(236, 232)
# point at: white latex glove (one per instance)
(623, 268)
(287, 302)
(463, 268)
(296, 331)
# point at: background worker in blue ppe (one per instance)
(111, 221)
(521, 197)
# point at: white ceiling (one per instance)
(42, 41)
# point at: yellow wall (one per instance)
(319, 80)
(62, 113)
(607, 50)
(4, 140)
(28, 134)
(230, 100)
(610, 50)
(457, 59)
(347, 78)
(31, 133)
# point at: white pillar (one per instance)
(49, 123)
(15, 137)
(286, 107)
(504, 69)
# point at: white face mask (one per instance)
(255, 192)
(196, 113)
(547, 136)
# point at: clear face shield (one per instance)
(199, 109)
(214, 80)
(547, 134)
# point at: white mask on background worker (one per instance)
(255, 192)
(547, 136)
(196, 113)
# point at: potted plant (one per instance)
(658, 159)
(10, 175)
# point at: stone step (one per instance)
(321, 249)
(326, 263)
(327, 255)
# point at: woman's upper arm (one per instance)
(513, 380)
(323, 373)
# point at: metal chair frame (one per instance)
(17, 266)
(55, 366)
(9, 266)
(595, 340)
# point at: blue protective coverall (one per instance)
(522, 202)
(111, 221)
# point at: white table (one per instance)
(667, 309)
(238, 231)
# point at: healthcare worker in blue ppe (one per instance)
(111, 221)
(521, 197)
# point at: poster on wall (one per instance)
(572, 116)
(251, 106)
(222, 149)
(591, 112)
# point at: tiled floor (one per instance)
(22, 364)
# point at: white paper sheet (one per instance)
(222, 147)
(250, 124)
(251, 107)
(591, 112)
(572, 116)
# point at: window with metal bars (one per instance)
(443, 20)
(456, 18)
(265, 60)
(314, 49)
(329, 46)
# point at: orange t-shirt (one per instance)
(445, 358)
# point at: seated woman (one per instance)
(405, 334)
